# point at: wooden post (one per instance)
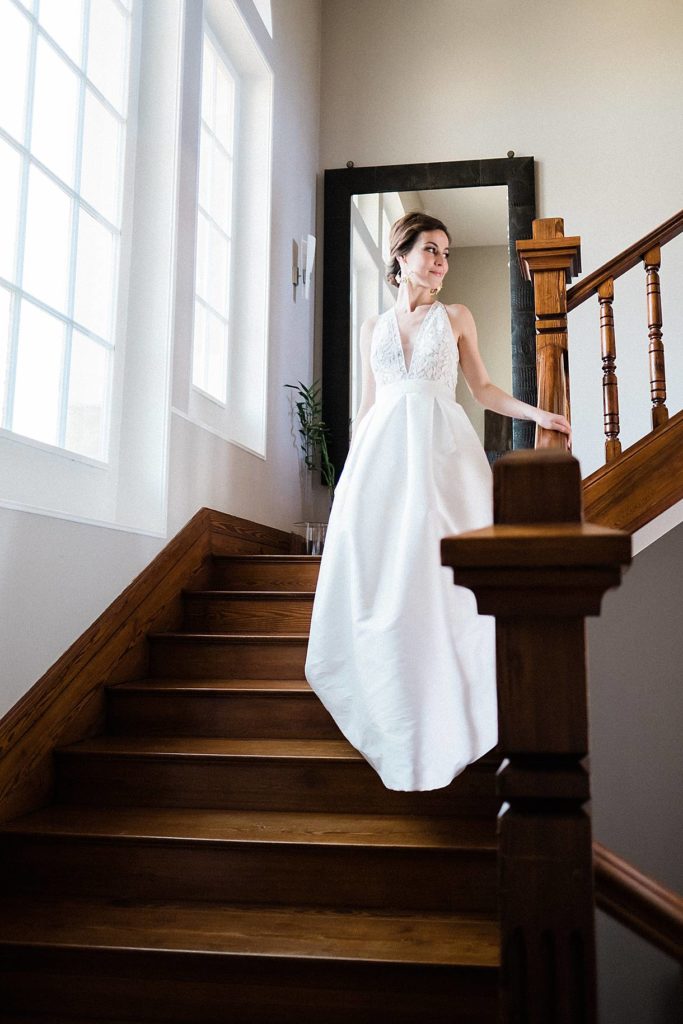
(540, 571)
(610, 384)
(549, 260)
(653, 261)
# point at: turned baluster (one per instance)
(610, 385)
(653, 261)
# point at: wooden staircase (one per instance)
(221, 853)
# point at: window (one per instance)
(214, 224)
(222, 286)
(64, 75)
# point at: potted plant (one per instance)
(315, 457)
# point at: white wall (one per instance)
(56, 575)
(591, 91)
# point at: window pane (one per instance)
(10, 179)
(107, 51)
(199, 347)
(221, 187)
(218, 270)
(39, 374)
(15, 32)
(225, 100)
(208, 83)
(205, 154)
(88, 387)
(216, 357)
(48, 241)
(4, 348)
(201, 271)
(63, 20)
(94, 276)
(100, 172)
(55, 113)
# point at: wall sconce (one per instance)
(303, 261)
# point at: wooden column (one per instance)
(540, 571)
(610, 384)
(549, 260)
(653, 261)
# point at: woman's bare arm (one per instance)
(483, 389)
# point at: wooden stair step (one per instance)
(286, 708)
(256, 774)
(248, 611)
(262, 965)
(265, 572)
(315, 859)
(202, 655)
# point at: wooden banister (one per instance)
(540, 571)
(626, 260)
(638, 901)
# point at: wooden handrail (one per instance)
(626, 260)
(637, 901)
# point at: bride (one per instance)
(397, 654)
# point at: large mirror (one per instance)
(487, 205)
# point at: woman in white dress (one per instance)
(397, 653)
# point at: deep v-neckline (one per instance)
(418, 336)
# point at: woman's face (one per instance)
(428, 259)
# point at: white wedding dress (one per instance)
(397, 653)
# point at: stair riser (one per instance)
(245, 576)
(226, 660)
(444, 880)
(223, 615)
(286, 784)
(230, 715)
(174, 987)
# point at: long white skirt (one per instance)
(397, 653)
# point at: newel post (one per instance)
(540, 570)
(549, 260)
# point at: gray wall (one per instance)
(636, 706)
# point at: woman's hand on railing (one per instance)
(554, 421)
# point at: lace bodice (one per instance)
(435, 353)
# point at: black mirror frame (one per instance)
(518, 173)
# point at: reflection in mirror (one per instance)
(478, 277)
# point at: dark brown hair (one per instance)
(403, 235)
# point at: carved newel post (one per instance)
(540, 571)
(549, 260)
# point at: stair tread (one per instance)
(257, 826)
(455, 939)
(134, 746)
(274, 595)
(191, 636)
(286, 559)
(169, 685)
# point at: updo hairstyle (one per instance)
(403, 235)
